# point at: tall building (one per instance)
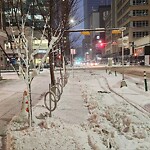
(135, 15)
(98, 40)
(92, 15)
(89, 7)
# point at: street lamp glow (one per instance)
(72, 21)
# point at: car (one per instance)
(46, 65)
(93, 63)
(142, 63)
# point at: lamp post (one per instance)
(91, 55)
(123, 83)
(0, 72)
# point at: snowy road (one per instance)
(11, 93)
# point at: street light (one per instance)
(72, 21)
(123, 83)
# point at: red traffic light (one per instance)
(101, 44)
(59, 56)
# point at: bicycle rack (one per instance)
(52, 97)
(55, 93)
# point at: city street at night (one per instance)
(74, 74)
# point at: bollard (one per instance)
(115, 73)
(145, 81)
(109, 72)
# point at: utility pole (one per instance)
(123, 83)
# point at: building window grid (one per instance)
(140, 12)
(140, 2)
(140, 34)
(143, 23)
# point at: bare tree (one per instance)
(20, 23)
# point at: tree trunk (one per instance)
(52, 76)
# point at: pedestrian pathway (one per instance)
(71, 105)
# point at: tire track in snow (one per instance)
(129, 101)
(145, 110)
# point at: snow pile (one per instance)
(49, 134)
(112, 124)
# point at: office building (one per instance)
(93, 19)
(89, 7)
(135, 16)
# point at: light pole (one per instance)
(0, 72)
(123, 83)
(91, 55)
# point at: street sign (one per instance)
(73, 51)
(116, 31)
(85, 32)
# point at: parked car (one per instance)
(46, 65)
(142, 63)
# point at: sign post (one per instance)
(72, 52)
(123, 83)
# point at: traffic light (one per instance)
(100, 44)
(59, 56)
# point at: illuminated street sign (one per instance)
(116, 31)
(85, 32)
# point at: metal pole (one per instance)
(50, 105)
(123, 83)
(72, 66)
(145, 81)
(0, 73)
(122, 57)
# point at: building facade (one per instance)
(89, 7)
(93, 18)
(99, 40)
(135, 16)
(3, 38)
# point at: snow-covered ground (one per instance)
(94, 113)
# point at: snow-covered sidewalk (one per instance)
(71, 107)
(89, 116)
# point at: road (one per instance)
(11, 94)
(132, 70)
